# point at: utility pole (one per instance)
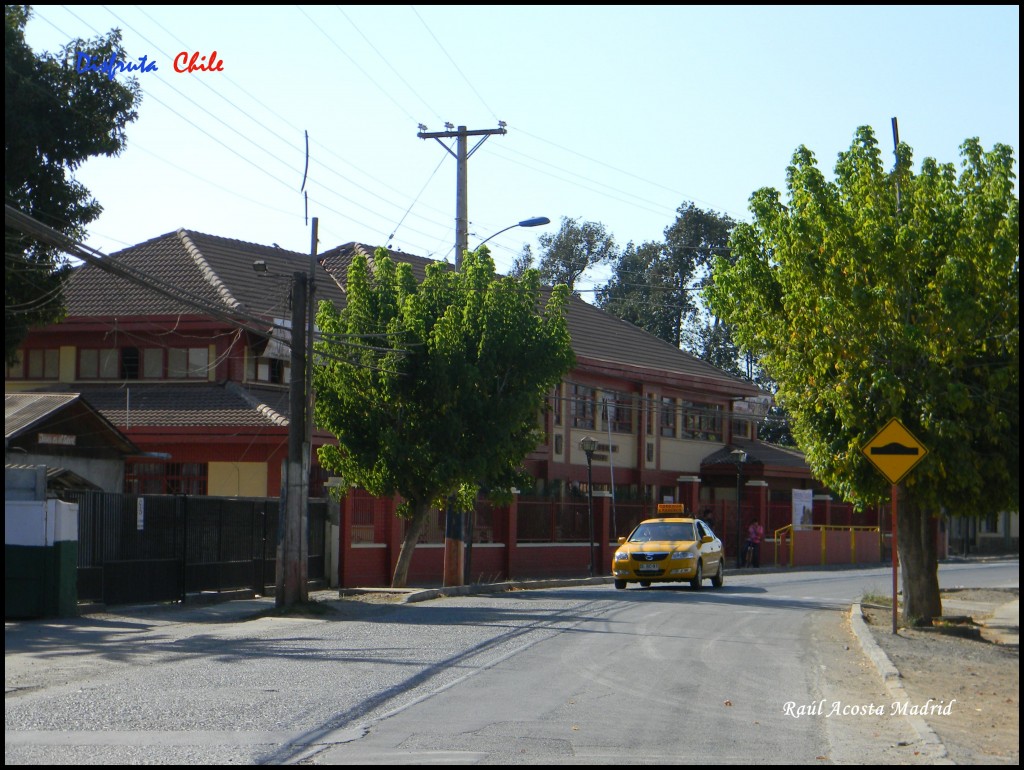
(454, 549)
(291, 564)
(461, 156)
(293, 544)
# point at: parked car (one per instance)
(669, 550)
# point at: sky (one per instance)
(614, 114)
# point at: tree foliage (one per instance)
(891, 294)
(573, 250)
(434, 389)
(54, 120)
(657, 286)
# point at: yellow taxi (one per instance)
(669, 550)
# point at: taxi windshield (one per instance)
(662, 531)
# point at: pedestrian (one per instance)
(755, 533)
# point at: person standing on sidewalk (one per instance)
(755, 533)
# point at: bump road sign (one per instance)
(894, 451)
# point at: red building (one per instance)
(190, 369)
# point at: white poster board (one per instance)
(803, 505)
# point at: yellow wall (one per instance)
(625, 457)
(237, 479)
(685, 456)
(66, 365)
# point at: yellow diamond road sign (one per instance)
(894, 451)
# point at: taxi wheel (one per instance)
(620, 584)
(719, 577)
(645, 583)
(698, 579)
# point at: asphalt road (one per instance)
(580, 675)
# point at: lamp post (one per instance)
(739, 457)
(534, 222)
(588, 445)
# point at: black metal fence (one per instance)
(145, 548)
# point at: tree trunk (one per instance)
(412, 536)
(919, 566)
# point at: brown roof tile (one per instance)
(202, 405)
(220, 270)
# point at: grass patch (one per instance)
(872, 598)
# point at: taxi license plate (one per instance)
(647, 568)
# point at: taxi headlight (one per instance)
(621, 556)
(685, 555)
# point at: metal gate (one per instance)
(149, 548)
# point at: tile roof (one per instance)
(220, 270)
(202, 405)
(601, 337)
(759, 452)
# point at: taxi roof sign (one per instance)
(894, 451)
(671, 508)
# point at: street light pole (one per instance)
(534, 222)
(588, 445)
(740, 457)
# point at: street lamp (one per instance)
(588, 445)
(739, 457)
(534, 222)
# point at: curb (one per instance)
(497, 588)
(891, 678)
(412, 595)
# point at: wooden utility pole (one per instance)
(461, 156)
(454, 548)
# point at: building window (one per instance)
(741, 428)
(618, 412)
(558, 444)
(650, 452)
(129, 363)
(149, 478)
(668, 417)
(16, 369)
(649, 409)
(556, 406)
(702, 422)
(37, 364)
(153, 363)
(188, 363)
(582, 406)
(98, 364)
(273, 370)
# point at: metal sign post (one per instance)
(894, 451)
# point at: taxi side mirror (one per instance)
(622, 540)
(707, 539)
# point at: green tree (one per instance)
(891, 294)
(642, 292)
(573, 250)
(442, 396)
(54, 120)
(657, 286)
